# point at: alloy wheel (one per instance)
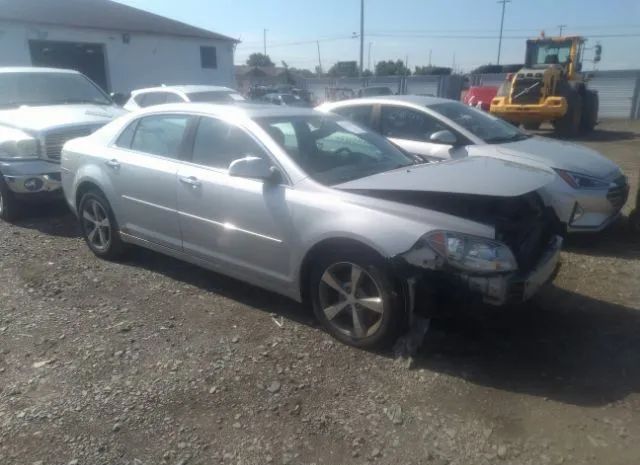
(351, 300)
(96, 224)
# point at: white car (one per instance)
(587, 196)
(143, 98)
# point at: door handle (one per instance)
(191, 181)
(114, 164)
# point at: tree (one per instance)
(496, 69)
(259, 59)
(392, 68)
(367, 73)
(432, 71)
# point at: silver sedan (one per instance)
(590, 190)
(314, 207)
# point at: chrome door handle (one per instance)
(114, 164)
(191, 181)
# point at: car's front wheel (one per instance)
(356, 298)
(99, 227)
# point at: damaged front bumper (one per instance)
(494, 289)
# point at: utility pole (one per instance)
(369, 58)
(319, 60)
(361, 35)
(264, 40)
(430, 50)
(561, 27)
(504, 4)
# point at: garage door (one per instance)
(616, 95)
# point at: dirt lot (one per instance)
(153, 361)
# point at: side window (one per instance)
(173, 98)
(126, 137)
(208, 57)
(360, 114)
(217, 144)
(405, 123)
(153, 98)
(160, 135)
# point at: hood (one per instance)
(42, 118)
(471, 175)
(560, 154)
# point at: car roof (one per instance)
(34, 69)
(186, 89)
(248, 110)
(420, 100)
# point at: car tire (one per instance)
(9, 206)
(590, 111)
(356, 298)
(99, 227)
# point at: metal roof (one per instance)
(99, 14)
(31, 69)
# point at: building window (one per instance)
(208, 57)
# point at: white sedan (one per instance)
(151, 96)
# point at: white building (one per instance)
(121, 48)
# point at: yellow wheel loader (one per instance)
(550, 87)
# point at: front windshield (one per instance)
(38, 89)
(542, 54)
(490, 129)
(333, 150)
(215, 96)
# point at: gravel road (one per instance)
(153, 361)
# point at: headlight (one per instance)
(581, 181)
(17, 144)
(471, 253)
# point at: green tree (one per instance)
(392, 68)
(259, 59)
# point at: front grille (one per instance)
(56, 138)
(618, 194)
(532, 96)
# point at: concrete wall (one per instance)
(145, 61)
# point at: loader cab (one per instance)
(564, 52)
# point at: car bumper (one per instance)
(593, 211)
(31, 177)
(514, 288)
(552, 108)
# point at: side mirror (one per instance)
(118, 98)
(443, 137)
(255, 168)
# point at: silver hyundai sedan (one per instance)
(590, 190)
(314, 207)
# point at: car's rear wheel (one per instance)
(8, 202)
(356, 299)
(99, 227)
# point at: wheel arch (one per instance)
(320, 247)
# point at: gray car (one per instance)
(314, 207)
(590, 190)
(41, 109)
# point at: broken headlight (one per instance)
(471, 253)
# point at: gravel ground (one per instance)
(153, 361)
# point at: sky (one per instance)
(459, 33)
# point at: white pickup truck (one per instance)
(40, 110)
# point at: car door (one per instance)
(411, 129)
(143, 170)
(234, 223)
